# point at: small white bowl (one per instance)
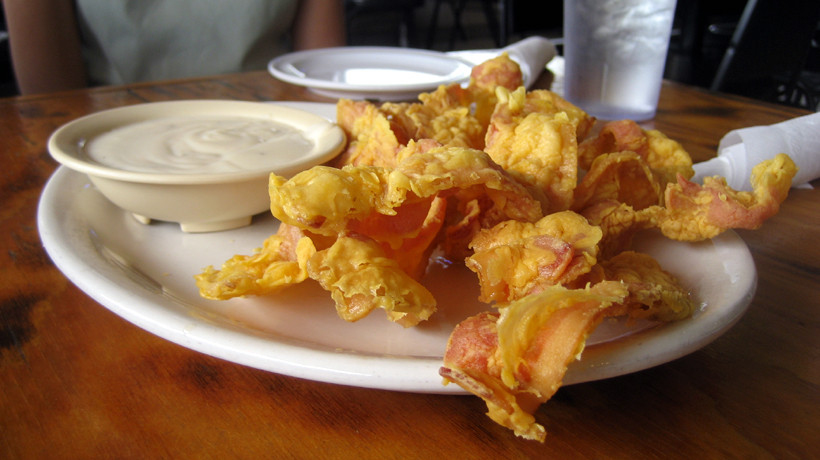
(199, 202)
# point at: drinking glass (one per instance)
(615, 53)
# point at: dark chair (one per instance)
(8, 86)
(496, 24)
(402, 11)
(506, 20)
(700, 35)
(767, 54)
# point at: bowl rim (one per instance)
(65, 143)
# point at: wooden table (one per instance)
(76, 381)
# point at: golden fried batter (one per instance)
(500, 71)
(324, 199)
(515, 360)
(360, 278)
(444, 115)
(621, 176)
(540, 148)
(373, 139)
(619, 222)
(396, 216)
(280, 262)
(665, 157)
(514, 259)
(695, 212)
(654, 294)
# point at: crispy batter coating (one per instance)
(654, 294)
(279, 263)
(544, 101)
(361, 278)
(373, 139)
(538, 144)
(451, 115)
(324, 199)
(516, 359)
(452, 169)
(396, 216)
(623, 177)
(694, 212)
(444, 115)
(614, 136)
(500, 71)
(486, 79)
(665, 157)
(514, 259)
(619, 222)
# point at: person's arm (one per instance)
(44, 40)
(319, 24)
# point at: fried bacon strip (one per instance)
(480, 193)
(451, 115)
(444, 116)
(619, 222)
(394, 216)
(456, 170)
(537, 142)
(515, 360)
(486, 79)
(408, 236)
(654, 294)
(280, 262)
(372, 138)
(514, 259)
(361, 278)
(325, 199)
(665, 157)
(694, 212)
(621, 176)
(500, 71)
(544, 101)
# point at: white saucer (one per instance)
(363, 72)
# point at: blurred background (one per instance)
(763, 49)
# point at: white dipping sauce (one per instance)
(199, 144)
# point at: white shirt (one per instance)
(127, 41)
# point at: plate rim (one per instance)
(326, 85)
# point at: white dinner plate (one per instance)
(370, 72)
(144, 273)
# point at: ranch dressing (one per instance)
(199, 145)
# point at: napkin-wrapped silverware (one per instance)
(740, 150)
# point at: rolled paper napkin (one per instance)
(532, 54)
(536, 52)
(741, 150)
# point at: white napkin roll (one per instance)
(741, 150)
(536, 52)
(532, 54)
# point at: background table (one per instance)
(76, 381)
